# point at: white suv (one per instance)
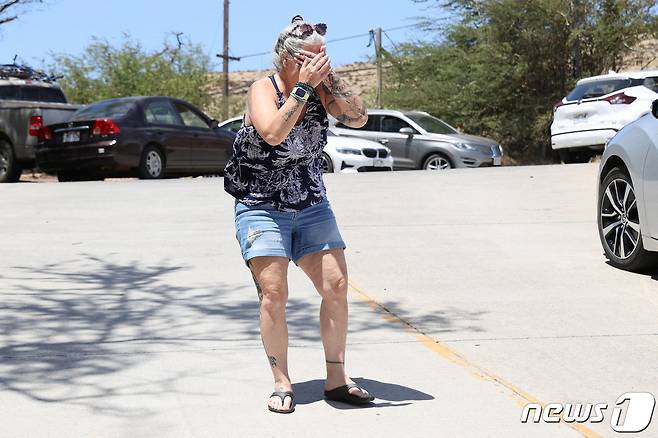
(597, 108)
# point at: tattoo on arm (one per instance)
(336, 86)
(352, 108)
(272, 360)
(353, 113)
(292, 110)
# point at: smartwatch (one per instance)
(300, 94)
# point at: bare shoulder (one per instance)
(262, 87)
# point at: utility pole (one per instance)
(378, 55)
(226, 57)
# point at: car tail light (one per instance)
(36, 123)
(105, 127)
(45, 134)
(620, 98)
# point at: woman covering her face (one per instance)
(281, 208)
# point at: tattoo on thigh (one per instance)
(258, 288)
(272, 361)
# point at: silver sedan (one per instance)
(628, 195)
(419, 140)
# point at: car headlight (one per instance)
(463, 146)
(348, 151)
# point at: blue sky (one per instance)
(67, 26)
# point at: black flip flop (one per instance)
(342, 394)
(282, 395)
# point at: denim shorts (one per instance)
(262, 230)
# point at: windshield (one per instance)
(112, 109)
(594, 89)
(32, 93)
(431, 124)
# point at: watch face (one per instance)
(300, 92)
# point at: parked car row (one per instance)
(152, 137)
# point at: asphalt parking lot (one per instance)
(128, 312)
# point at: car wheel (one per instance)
(327, 164)
(10, 169)
(152, 164)
(619, 223)
(572, 157)
(437, 162)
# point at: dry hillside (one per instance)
(361, 75)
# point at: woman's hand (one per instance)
(314, 67)
(336, 96)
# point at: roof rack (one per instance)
(24, 72)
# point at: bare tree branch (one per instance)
(13, 5)
(8, 4)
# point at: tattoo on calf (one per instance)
(272, 360)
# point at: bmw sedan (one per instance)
(342, 153)
(419, 140)
(628, 195)
(148, 137)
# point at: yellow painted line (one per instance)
(520, 396)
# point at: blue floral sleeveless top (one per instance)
(288, 175)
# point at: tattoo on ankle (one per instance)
(272, 361)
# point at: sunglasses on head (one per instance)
(306, 30)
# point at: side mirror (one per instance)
(654, 108)
(214, 124)
(407, 131)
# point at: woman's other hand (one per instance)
(314, 67)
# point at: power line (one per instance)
(351, 37)
(389, 38)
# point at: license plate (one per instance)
(71, 136)
(497, 161)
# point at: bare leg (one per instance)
(271, 278)
(328, 272)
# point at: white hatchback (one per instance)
(597, 108)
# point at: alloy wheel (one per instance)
(153, 163)
(325, 164)
(437, 163)
(4, 161)
(620, 223)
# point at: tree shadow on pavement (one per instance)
(69, 331)
(387, 394)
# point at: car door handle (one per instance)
(383, 140)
